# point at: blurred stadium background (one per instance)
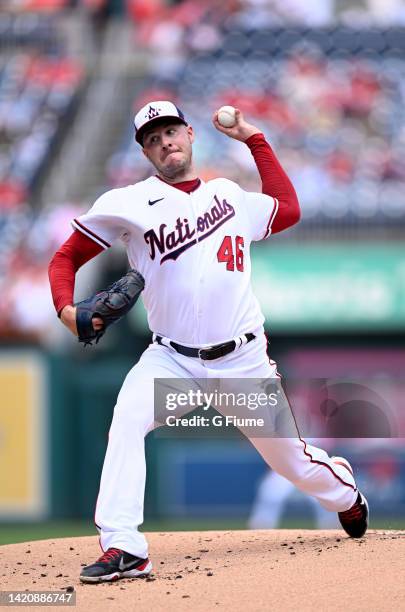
(325, 81)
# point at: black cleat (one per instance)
(114, 564)
(355, 520)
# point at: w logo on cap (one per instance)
(152, 112)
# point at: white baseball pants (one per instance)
(119, 508)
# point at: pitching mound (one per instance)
(232, 570)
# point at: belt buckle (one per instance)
(202, 350)
(210, 350)
(206, 350)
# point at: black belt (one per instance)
(212, 352)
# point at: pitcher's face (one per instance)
(168, 146)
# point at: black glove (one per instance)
(110, 305)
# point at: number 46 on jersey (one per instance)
(230, 254)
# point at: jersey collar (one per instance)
(186, 186)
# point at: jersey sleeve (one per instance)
(103, 223)
(261, 210)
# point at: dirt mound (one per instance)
(232, 570)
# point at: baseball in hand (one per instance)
(226, 116)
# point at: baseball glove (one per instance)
(110, 305)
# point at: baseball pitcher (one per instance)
(188, 245)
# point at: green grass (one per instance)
(11, 533)
(24, 532)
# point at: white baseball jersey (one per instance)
(193, 250)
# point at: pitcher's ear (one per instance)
(190, 132)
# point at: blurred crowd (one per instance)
(36, 93)
(336, 123)
(250, 13)
(26, 308)
(39, 87)
(329, 97)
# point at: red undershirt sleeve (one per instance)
(275, 183)
(76, 251)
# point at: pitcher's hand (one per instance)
(242, 130)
